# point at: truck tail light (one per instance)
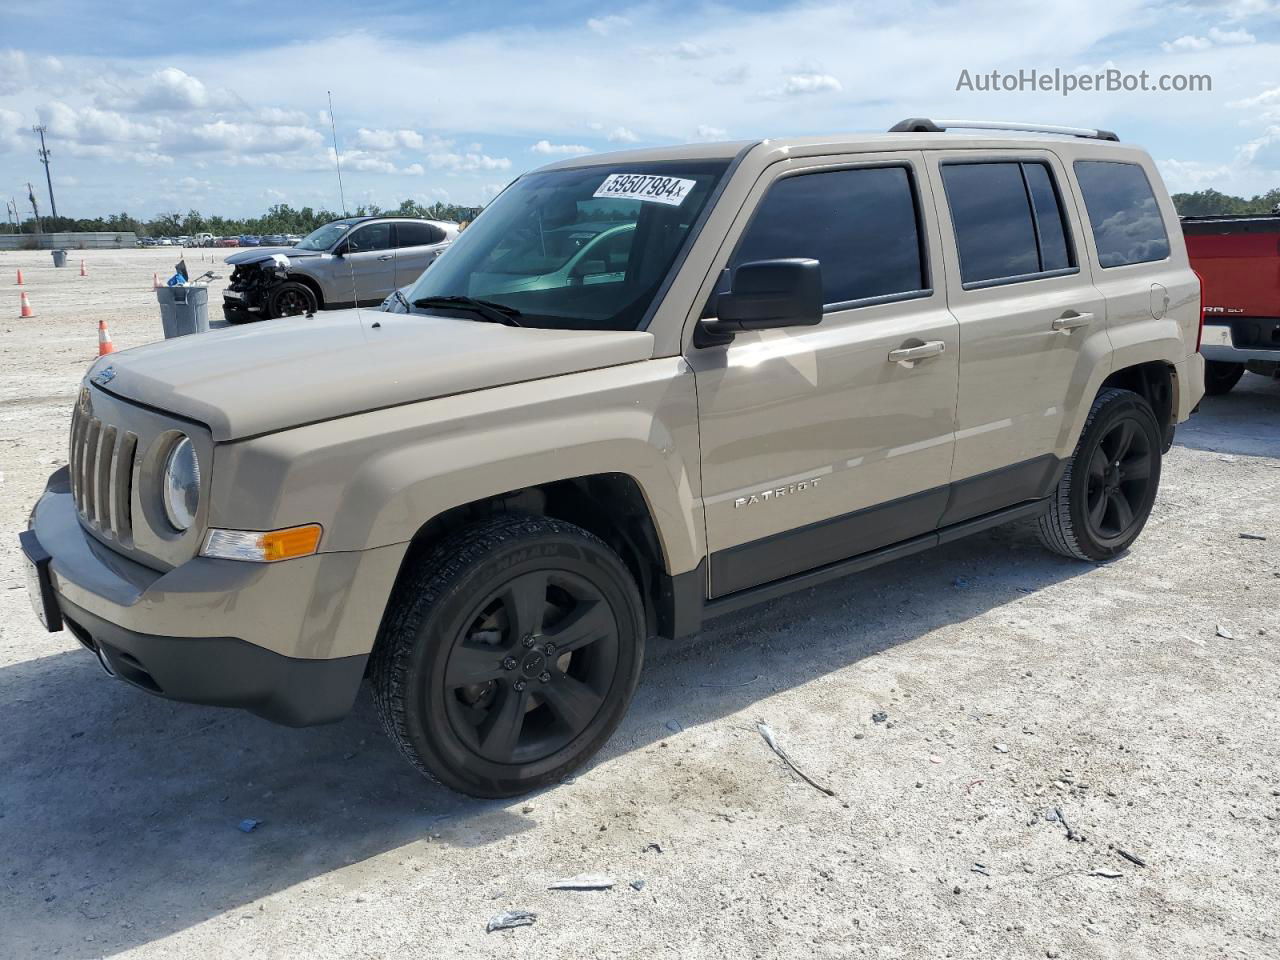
(1200, 297)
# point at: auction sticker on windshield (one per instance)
(646, 187)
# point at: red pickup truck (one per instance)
(1238, 260)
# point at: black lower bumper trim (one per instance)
(223, 671)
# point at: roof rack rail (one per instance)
(925, 125)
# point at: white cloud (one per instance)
(466, 162)
(172, 89)
(1263, 106)
(547, 147)
(390, 139)
(248, 137)
(690, 51)
(622, 135)
(708, 132)
(802, 83)
(606, 25)
(1216, 37)
(1187, 44)
(1231, 37)
(733, 76)
(11, 122)
(89, 125)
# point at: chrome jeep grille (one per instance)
(101, 463)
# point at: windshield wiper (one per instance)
(484, 309)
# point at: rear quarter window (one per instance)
(1123, 213)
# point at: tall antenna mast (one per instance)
(336, 158)
(44, 158)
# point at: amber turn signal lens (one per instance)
(293, 542)
(263, 546)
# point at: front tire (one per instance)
(291, 299)
(1220, 376)
(509, 655)
(1109, 487)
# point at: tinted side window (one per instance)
(860, 224)
(1054, 251)
(1008, 220)
(1126, 221)
(409, 234)
(375, 236)
(994, 230)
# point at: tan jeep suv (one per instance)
(801, 358)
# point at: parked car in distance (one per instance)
(350, 262)
(249, 240)
(819, 355)
(1238, 261)
(275, 240)
(227, 242)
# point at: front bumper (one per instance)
(287, 641)
(1219, 343)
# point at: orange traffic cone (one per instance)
(105, 345)
(26, 307)
(155, 281)
(82, 270)
(19, 283)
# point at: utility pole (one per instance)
(44, 158)
(31, 195)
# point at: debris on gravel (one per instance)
(510, 919)
(583, 882)
(767, 732)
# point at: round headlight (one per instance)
(181, 484)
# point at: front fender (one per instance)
(375, 478)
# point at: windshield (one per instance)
(583, 248)
(325, 237)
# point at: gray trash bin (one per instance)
(183, 310)
(59, 258)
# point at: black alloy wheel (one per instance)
(292, 299)
(1119, 481)
(1109, 484)
(509, 654)
(532, 668)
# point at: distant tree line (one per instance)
(1209, 203)
(281, 218)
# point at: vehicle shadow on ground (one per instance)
(119, 811)
(1244, 422)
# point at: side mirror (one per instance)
(589, 268)
(341, 249)
(767, 294)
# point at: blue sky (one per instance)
(222, 107)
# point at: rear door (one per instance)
(817, 444)
(417, 245)
(369, 260)
(1032, 323)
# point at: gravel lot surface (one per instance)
(1140, 699)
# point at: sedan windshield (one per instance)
(582, 248)
(325, 237)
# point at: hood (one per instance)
(258, 254)
(268, 376)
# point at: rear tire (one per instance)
(1220, 376)
(1109, 487)
(509, 655)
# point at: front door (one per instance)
(822, 442)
